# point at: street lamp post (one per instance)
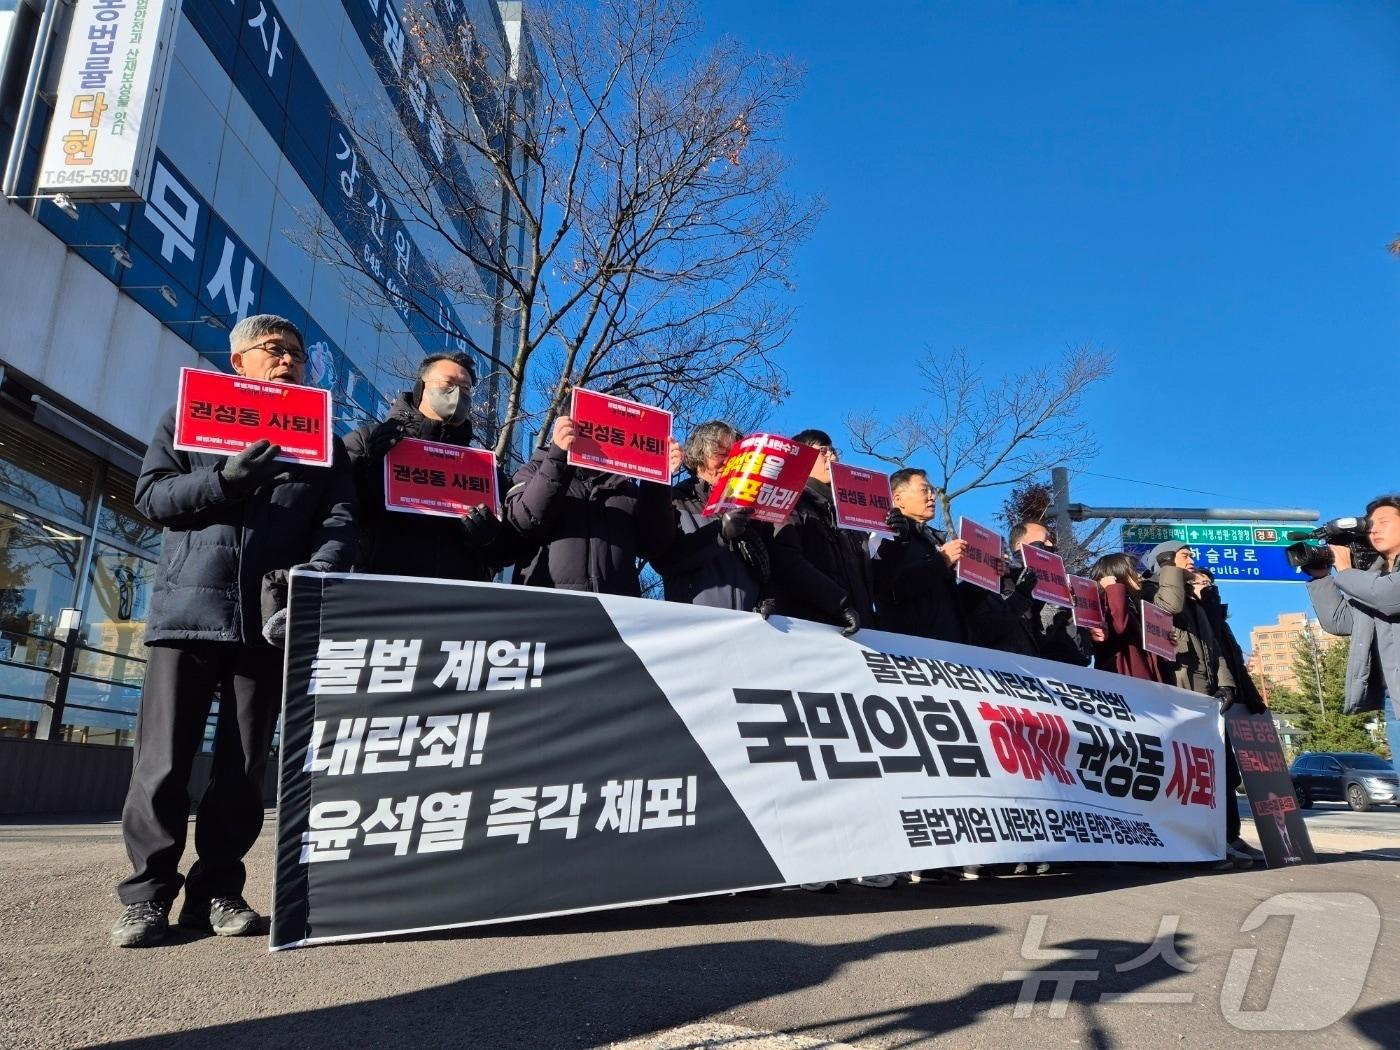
(1317, 664)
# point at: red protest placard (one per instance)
(621, 437)
(1088, 602)
(223, 414)
(981, 562)
(765, 473)
(862, 498)
(426, 477)
(1051, 581)
(1157, 634)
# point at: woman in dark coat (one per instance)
(1121, 650)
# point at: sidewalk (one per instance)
(926, 965)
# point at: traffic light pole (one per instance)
(1065, 513)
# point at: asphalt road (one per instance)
(927, 965)
(1335, 816)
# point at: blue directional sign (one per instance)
(1249, 553)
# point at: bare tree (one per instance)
(648, 229)
(1031, 501)
(972, 431)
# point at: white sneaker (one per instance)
(819, 887)
(878, 882)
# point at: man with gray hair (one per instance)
(233, 527)
(720, 562)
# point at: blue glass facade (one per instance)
(176, 239)
(253, 152)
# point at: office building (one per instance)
(104, 302)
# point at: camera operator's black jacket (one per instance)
(916, 590)
(817, 566)
(393, 543)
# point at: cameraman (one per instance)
(1365, 604)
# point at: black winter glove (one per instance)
(274, 593)
(851, 617)
(256, 464)
(734, 523)
(274, 601)
(385, 436)
(767, 607)
(904, 527)
(482, 527)
(754, 553)
(1256, 705)
(1227, 697)
(1025, 586)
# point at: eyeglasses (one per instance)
(448, 384)
(278, 350)
(829, 451)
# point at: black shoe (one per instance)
(1241, 846)
(224, 916)
(141, 925)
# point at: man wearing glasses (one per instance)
(228, 521)
(438, 409)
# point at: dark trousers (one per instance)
(181, 680)
(1232, 782)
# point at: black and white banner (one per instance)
(457, 753)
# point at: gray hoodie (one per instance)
(1365, 604)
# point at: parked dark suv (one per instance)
(1358, 779)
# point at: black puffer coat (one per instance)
(816, 566)
(1218, 613)
(1050, 627)
(582, 529)
(216, 547)
(992, 623)
(916, 590)
(393, 543)
(701, 568)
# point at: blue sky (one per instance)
(1206, 189)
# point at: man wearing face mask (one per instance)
(394, 543)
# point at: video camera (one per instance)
(1343, 532)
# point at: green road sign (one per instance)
(1254, 535)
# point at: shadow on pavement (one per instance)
(598, 1001)
(1380, 1024)
(1075, 882)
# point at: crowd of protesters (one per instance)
(234, 526)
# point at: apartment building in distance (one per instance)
(1273, 646)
